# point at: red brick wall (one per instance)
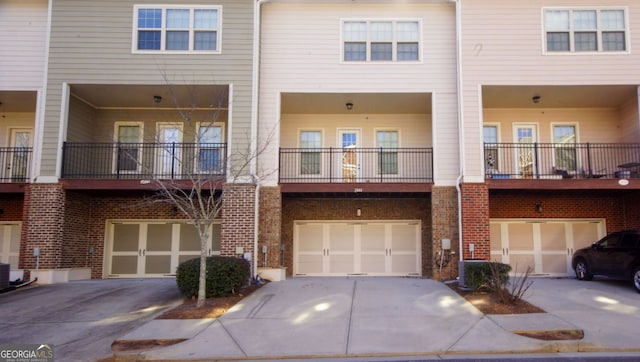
(238, 214)
(77, 216)
(632, 210)
(270, 226)
(345, 209)
(562, 205)
(475, 220)
(43, 224)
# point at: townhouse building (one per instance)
(551, 128)
(390, 138)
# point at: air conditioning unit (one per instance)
(4, 275)
(461, 264)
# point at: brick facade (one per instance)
(43, 226)
(444, 211)
(345, 209)
(565, 205)
(238, 214)
(475, 220)
(270, 226)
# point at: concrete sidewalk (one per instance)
(355, 317)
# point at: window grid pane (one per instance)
(584, 20)
(490, 134)
(206, 19)
(205, 40)
(355, 31)
(149, 40)
(177, 40)
(612, 19)
(558, 42)
(613, 41)
(586, 42)
(407, 31)
(310, 159)
(381, 32)
(355, 51)
(408, 51)
(178, 18)
(149, 18)
(381, 51)
(556, 20)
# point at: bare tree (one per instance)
(205, 167)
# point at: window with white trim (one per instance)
(381, 40)
(310, 156)
(585, 30)
(128, 156)
(164, 28)
(490, 139)
(211, 151)
(387, 143)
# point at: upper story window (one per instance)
(381, 40)
(177, 28)
(585, 30)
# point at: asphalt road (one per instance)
(81, 319)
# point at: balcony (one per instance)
(548, 161)
(143, 161)
(17, 163)
(356, 165)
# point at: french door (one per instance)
(17, 164)
(349, 142)
(525, 135)
(169, 155)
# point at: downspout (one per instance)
(460, 121)
(254, 129)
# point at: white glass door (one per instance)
(349, 142)
(17, 166)
(525, 135)
(169, 153)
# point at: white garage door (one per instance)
(10, 244)
(389, 248)
(544, 245)
(153, 249)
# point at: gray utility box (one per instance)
(4, 275)
(461, 282)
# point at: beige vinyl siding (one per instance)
(301, 52)
(595, 125)
(503, 44)
(414, 130)
(23, 30)
(91, 44)
(630, 121)
(80, 127)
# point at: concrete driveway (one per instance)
(82, 318)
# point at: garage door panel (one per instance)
(520, 237)
(373, 238)
(126, 237)
(157, 264)
(373, 263)
(522, 262)
(341, 237)
(584, 234)
(495, 235)
(554, 264)
(553, 236)
(404, 264)
(310, 264)
(159, 237)
(311, 236)
(125, 264)
(403, 238)
(341, 264)
(189, 238)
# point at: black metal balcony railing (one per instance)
(345, 165)
(561, 160)
(142, 160)
(16, 163)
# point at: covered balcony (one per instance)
(18, 113)
(124, 136)
(356, 142)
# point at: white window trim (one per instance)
(497, 167)
(571, 31)
(196, 163)
(552, 126)
(299, 147)
(399, 160)
(394, 42)
(163, 30)
(116, 126)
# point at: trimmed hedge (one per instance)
(226, 276)
(480, 275)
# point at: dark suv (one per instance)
(617, 255)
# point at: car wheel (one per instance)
(636, 279)
(582, 270)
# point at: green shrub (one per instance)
(225, 276)
(479, 276)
